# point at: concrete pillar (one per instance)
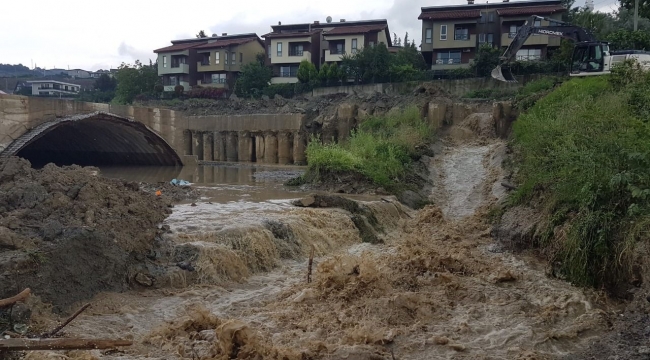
(197, 145)
(207, 146)
(299, 157)
(270, 148)
(187, 140)
(231, 146)
(245, 146)
(219, 146)
(284, 148)
(436, 115)
(259, 148)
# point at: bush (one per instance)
(207, 93)
(586, 156)
(495, 94)
(284, 90)
(380, 150)
(178, 90)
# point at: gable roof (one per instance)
(219, 43)
(291, 34)
(453, 14)
(179, 47)
(531, 10)
(350, 30)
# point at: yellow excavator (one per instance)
(590, 56)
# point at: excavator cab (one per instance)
(589, 58)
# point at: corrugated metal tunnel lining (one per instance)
(100, 140)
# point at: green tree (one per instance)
(105, 83)
(324, 74)
(644, 7)
(487, 58)
(133, 80)
(307, 73)
(406, 39)
(629, 40)
(599, 24)
(371, 64)
(261, 58)
(624, 19)
(253, 79)
(335, 73)
(409, 55)
(201, 34)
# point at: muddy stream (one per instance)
(438, 287)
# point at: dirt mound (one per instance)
(68, 234)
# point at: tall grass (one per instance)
(381, 149)
(585, 154)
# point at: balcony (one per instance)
(216, 83)
(176, 68)
(455, 41)
(334, 55)
(506, 39)
(186, 86)
(290, 57)
(448, 64)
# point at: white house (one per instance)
(53, 88)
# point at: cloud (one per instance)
(131, 52)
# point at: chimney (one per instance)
(342, 20)
(279, 22)
(224, 34)
(470, 2)
(316, 22)
(214, 35)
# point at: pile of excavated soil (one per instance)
(68, 234)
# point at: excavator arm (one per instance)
(557, 28)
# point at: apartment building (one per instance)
(220, 60)
(451, 35)
(319, 43)
(177, 63)
(207, 62)
(53, 88)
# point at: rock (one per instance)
(305, 202)
(143, 279)
(439, 340)
(504, 276)
(11, 241)
(20, 313)
(411, 199)
(306, 295)
(234, 97)
(265, 98)
(300, 110)
(279, 100)
(185, 266)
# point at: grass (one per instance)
(492, 94)
(583, 152)
(381, 149)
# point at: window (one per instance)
(218, 78)
(295, 50)
(279, 49)
(354, 46)
(216, 58)
(448, 57)
(513, 31)
(164, 61)
(339, 48)
(481, 38)
(529, 54)
(428, 36)
(371, 43)
(461, 33)
(241, 58)
(537, 23)
(172, 81)
(225, 57)
(233, 57)
(490, 38)
(483, 18)
(491, 17)
(289, 71)
(268, 51)
(443, 32)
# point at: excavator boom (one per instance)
(556, 28)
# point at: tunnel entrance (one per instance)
(94, 140)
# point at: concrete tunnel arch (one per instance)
(95, 139)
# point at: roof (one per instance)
(494, 5)
(178, 47)
(219, 43)
(50, 81)
(531, 10)
(349, 30)
(454, 14)
(291, 34)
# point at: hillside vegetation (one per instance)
(582, 155)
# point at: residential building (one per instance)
(287, 46)
(319, 43)
(78, 74)
(97, 74)
(451, 35)
(53, 88)
(220, 60)
(177, 63)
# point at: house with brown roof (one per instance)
(177, 63)
(220, 60)
(319, 43)
(451, 35)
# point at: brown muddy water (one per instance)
(438, 287)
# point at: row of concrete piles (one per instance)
(269, 147)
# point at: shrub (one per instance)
(178, 90)
(285, 90)
(585, 155)
(207, 93)
(381, 149)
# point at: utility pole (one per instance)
(636, 15)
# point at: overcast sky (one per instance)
(102, 34)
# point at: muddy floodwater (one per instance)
(434, 286)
